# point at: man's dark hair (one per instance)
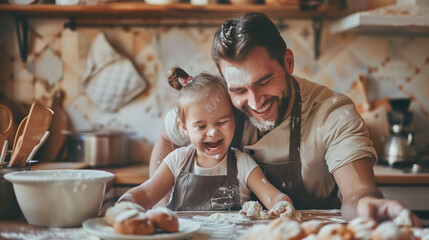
(237, 36)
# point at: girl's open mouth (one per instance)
(213, 145)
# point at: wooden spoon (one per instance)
(7, 128)
(37, 124)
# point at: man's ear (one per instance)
(289, 61)
(184, 129)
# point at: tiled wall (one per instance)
(396, 66)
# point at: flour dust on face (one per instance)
(236, 76)
(210, 126)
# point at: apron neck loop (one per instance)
(295, 124)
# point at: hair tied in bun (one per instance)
(185, 81)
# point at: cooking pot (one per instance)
(99, 148)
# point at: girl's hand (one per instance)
(282, 209)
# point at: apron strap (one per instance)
(190, 162)
(240, 119)
(295, 125)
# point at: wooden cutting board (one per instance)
(52, 148)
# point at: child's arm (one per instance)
(264, 190)
(151, 191)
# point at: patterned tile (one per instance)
(344, 70)
(49, 67)
(396, 66)
(370, 50)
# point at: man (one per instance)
(309, 141)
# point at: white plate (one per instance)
(99, 228)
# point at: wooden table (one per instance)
(214, 225)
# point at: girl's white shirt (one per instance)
(176, 160)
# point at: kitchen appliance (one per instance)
(399, 148)
(98, 148)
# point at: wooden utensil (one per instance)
(6, 125)
(42, 140)
(54, 145)
(375, 115)
(37, 123)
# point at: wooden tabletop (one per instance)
(214, 225)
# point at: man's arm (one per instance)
(361, 197)
(161, 149)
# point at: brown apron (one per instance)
(287, 176)
(194, 192)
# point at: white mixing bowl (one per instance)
(59, 198)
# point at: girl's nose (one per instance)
(211, 132)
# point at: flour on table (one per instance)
(222, 218)
(221, 226)
(51, 233)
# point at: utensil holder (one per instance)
(9, 208)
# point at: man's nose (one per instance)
(254, 99)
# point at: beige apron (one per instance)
(287, 176)
(194, 192)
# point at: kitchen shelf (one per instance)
(168, 11)
(113, 14)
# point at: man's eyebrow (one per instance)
(264, 78)
(234, 89)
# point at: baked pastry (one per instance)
(118, 208)
(133, 222)
(335, 231)
(164, 218)
(312, 226)
(390, 231)
(286, 229)
(362, 227)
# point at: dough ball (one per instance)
(253, 210)
(404, 218)
(283, 209)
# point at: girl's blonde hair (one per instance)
(197, 88)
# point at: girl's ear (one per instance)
(184, 129)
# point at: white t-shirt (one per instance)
(333, 134)
(176, 160)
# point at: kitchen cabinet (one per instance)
(146, 15)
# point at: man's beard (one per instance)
(265, 125)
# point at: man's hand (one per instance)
(383, 209)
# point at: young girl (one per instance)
(206, 175)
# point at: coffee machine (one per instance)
(399, 149)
